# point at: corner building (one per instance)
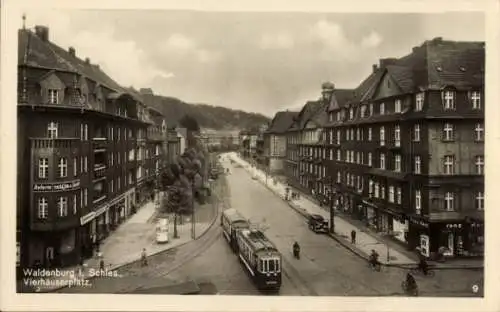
(409, 148)
(78, 134)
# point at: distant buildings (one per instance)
(89, 152)
(404, 151)
(275, 141)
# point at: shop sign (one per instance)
(419, 222)
(54, 187)
(101, 210)
(454, 226)
(116, 200)
(369, 204)
(87, 218)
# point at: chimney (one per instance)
(387, 61)
(87, 61)
(71, 51)
(437, 40)
(374, 67)
(42, 32)
(414, 49)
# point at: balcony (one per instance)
(99, 144)
(99, 171)
(45, 143)
(99, 198)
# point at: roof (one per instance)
(281, 122)
(305, 114)
(47, 55)
(233, 215)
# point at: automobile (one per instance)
(317, 223)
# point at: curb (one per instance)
(118, 266)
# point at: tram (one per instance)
(231, 221)
(260, 258)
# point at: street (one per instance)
(325, 269)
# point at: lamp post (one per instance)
(332, 210)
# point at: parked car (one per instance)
(317, 223)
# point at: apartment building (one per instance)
(275, 141)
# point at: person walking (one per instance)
(353, 237)
(144, 259)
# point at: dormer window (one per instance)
(363, 111)
(53, 95)
(338, 116)
(419, 101)
(382, 108)
(371, 109)
(448, 98)
(397, 106)
(351, 113)
(475, 98)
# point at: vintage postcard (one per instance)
(261, 155)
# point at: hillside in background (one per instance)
(214, 117)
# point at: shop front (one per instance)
(100, 220)
(419, 235)
(371, 213)
(475, 238)
(400, 228)
(448, 237)
(87, 234)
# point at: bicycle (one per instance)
(377, 266)
(418, 271)
(412, 292)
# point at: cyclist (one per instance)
(411, 284)
(374, 258)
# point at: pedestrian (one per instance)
(101, 264)
(144, 259)
(353, 237)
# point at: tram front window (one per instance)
(271, 265)
(277, 265)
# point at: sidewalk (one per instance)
(390, 253)
(123, 246)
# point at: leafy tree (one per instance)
(190, 123)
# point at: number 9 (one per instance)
(475, 288)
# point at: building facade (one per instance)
(275, 141)
(405, 152)
(79, 134)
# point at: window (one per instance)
(85, 197)
(62, 206)
(358, 157)
(112, 158)
(358, 134)
(363, 111)
(118, 135)
(475, 98)
(419, 101)
(338, 136)
(479, 132)
(397, 106)
(449, 161)
(397, 163)
(75, 166)
(479, 201)
(382, 108)
(376, 190)
(74, 204)
(382, 192)
(418, 165)
(112, 186)
(43, 168)
(418, 202)
(448, 132)
(480, 164)
(392, 194)
(448, 100)
(449, 201)
(86, 164)
(382, 136)
(370, 159)
(397, 136)
(416, 133)
(369, 134)
(351, 113)
(339, 177)
(398, 195)
(347, 158)
(52, 130)
(86, 132)
(81, 198)
(53, 96)
(43, 208)
(62, 167)
(382, 161)
(119, 183)
(339, 155)
(371, 109)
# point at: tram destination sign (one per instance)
(54, 187)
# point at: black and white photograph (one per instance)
(263, 154)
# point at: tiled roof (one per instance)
(307, 112)
(282, 121)
(45, 54)
(340, 98)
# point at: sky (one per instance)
(259, 62)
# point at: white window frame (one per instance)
(339, 155)
(75, 208)
(416, 133)
(382, 108)
(398, 195)
(53, 96)
(62, 206)
(418, 164)
(370, 159)
(448, 132)
(475, 99)
(43, 168)
(370, 134)
(382, 161)
(392, 194)
(397, 136)
(351, 113)
(62, 165)
(75, 166)
(397, 106)
(449, 164)
(419, 101)
(479, 132)
(53, 130)
(479, 161)
(448, 99)
(43, 208)
(85, 197)
(418, 202)
(479, 199)
(371, 109)
(339, 177)
(382, 136)
(86, 132)
(449, 201)
(86, 164)
(338, 137)
(397, 163)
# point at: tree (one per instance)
(190, 123)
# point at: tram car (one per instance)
(260, 258)
(231, 221)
